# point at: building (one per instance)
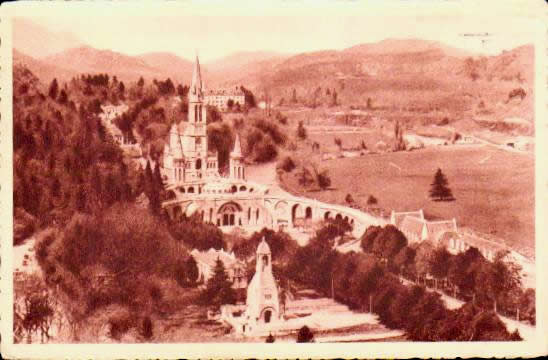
(417, 229)
(396, 218)
(235, 269)
(237, 168)
(262, 306)
(195, 187)
(220, 98)
(186, 156)
(262, 302)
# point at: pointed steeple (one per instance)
(237, 151)
(196, 84)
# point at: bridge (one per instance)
(252, 206)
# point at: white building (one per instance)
(220, 98)
(262, 307)
(186, 156)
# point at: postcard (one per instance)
(284, 179)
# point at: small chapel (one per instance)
(186, 157)
(262, 306)
(262, 302)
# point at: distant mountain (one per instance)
(86, 59)
(45, 71)
(238, 68)
(393, 73)
(39, 42)
(403, 74)
(179, 69)
(243, 58)
(398, 46)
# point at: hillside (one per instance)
(44, 70)
(242, 68)
(410, 75)
(170, 64)
(86, 59)
(423, 77)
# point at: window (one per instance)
(267, 296)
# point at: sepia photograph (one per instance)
(195, 178)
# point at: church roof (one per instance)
(412, 225)
(263, 247)
(398, 217)
(437, 228)
(210, 256)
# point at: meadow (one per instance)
(494, 189)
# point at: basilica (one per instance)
(195, 186)
(187, 159)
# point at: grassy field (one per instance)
(494, 189)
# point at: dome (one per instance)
(263, 247)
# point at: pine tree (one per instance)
(301, 131)
(191, 270)
(334, 98)
(439, 189)
(63, 97)
(218, 289)
(158, 181)
(53, 89)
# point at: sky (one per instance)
(214, 37)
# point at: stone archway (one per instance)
(327, 215)
(294, 213)
(171, 195)
(227, 214)
(308, 213)
(338, 217)
(267, 315)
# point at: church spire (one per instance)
(196, 84)
(237, 151)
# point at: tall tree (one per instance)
(301, 131)
(439, 189)
(218, 289)
(53, 89)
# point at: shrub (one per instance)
(119, 325)
(287, 164)
(371, 200)
(305, 335)
(265, 151)
(301, 131)
(146, 330)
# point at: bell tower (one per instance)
(237, 170)
(195, 136)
